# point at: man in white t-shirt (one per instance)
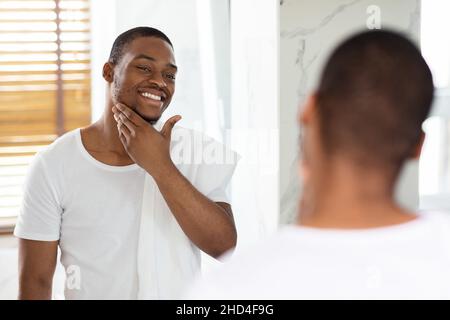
(128, 201)
(352, 241)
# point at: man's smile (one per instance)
(153, 96)
(152, 93)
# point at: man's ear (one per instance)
(108, 72)
(306, 113)
(418, 148)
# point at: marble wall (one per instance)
(309, 30)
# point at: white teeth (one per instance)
(151, 96)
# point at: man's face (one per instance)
(144, 79)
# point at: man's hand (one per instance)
(147, 147)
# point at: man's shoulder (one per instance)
(180, 133)
(270, 248)
(193, 147)
(247, 270)
(437, 223)
(60, 147)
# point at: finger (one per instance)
(123, 130)
(121, 120)
(123, 139)
(126, 122)
(130, 114)
(166, 131)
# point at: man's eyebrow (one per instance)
(144, 56)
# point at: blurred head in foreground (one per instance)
(364, 121)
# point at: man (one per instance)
(352, 241)
(128, 219)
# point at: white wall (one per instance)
(254, 115)
(434, 173)
(103, 33)
(309, 30)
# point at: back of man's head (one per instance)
(375, 92)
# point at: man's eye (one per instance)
(144, 68)
(171, 76)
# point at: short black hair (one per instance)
(374, 94)
(128, 36)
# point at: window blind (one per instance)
(44, 84)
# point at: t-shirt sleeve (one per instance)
(40, 212)
(214, 177)
(220, 180)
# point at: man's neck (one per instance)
(344, 198)
(106, 137)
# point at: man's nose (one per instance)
(158, 79)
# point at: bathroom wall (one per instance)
(308, 31)
(255, 116)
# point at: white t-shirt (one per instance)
(406, 261)
(94, 209)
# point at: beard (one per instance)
(149, 120)
(152, 120)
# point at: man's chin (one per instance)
(150, 120)
(149, 117)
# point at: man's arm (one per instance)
(208, 224)
(37, 262)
